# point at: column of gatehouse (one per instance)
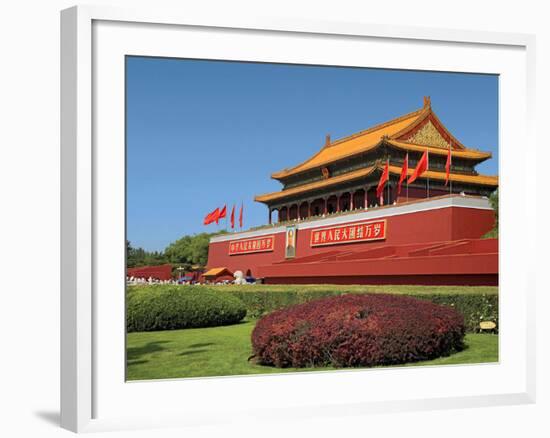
(330, 203)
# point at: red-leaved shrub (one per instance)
(357, 330)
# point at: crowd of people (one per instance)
(239, 279)
(150, 280)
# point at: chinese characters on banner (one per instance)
(257, 244)
(349, 233)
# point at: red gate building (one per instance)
(331, 227)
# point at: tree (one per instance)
(139, 257)
(187, 251)
(493, 200)
(190, 250)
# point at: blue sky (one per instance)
(201, 134)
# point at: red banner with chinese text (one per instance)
(257, 244)
(349, 233)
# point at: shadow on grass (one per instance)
(135, 353)
(189, 352)
(136, 362)
(197, 348)
(205, 344)
(229, 324)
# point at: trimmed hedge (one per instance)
(357, 330)
(161, 307)
(475, 303)
(475, 307)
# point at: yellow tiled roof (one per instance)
(348, 146)
(356, 174)
(461, 153)
(371, 138)
(486, 180)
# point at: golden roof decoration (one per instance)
(428, 135)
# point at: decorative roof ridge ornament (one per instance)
(428, 118)
(427, 102)
(327, 140)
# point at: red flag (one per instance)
(207, 219)
(213, 216)
(216, 215)
(448, 166)
(222, 213)
(232, 219)
(241, 216)
(383, 179)
(421, 167)
(404, 171)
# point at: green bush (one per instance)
(479, 305)
(160, 307)
(475, 303)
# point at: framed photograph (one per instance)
(253, 209)
(290, 244)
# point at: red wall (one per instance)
(426, 280)
(469, 223)
(464, 262)
(160, 272)
(437, 225)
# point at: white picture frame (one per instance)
(94, 396)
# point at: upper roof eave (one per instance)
(466, 153)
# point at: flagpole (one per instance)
(428, 169)
(450, 168)
(388, 201)
(407, 175)
(388, 182)
(240, 216)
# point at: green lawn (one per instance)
(223, 351)
(400, 289)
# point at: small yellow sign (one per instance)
(487, 325)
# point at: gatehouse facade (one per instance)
(331, 227)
